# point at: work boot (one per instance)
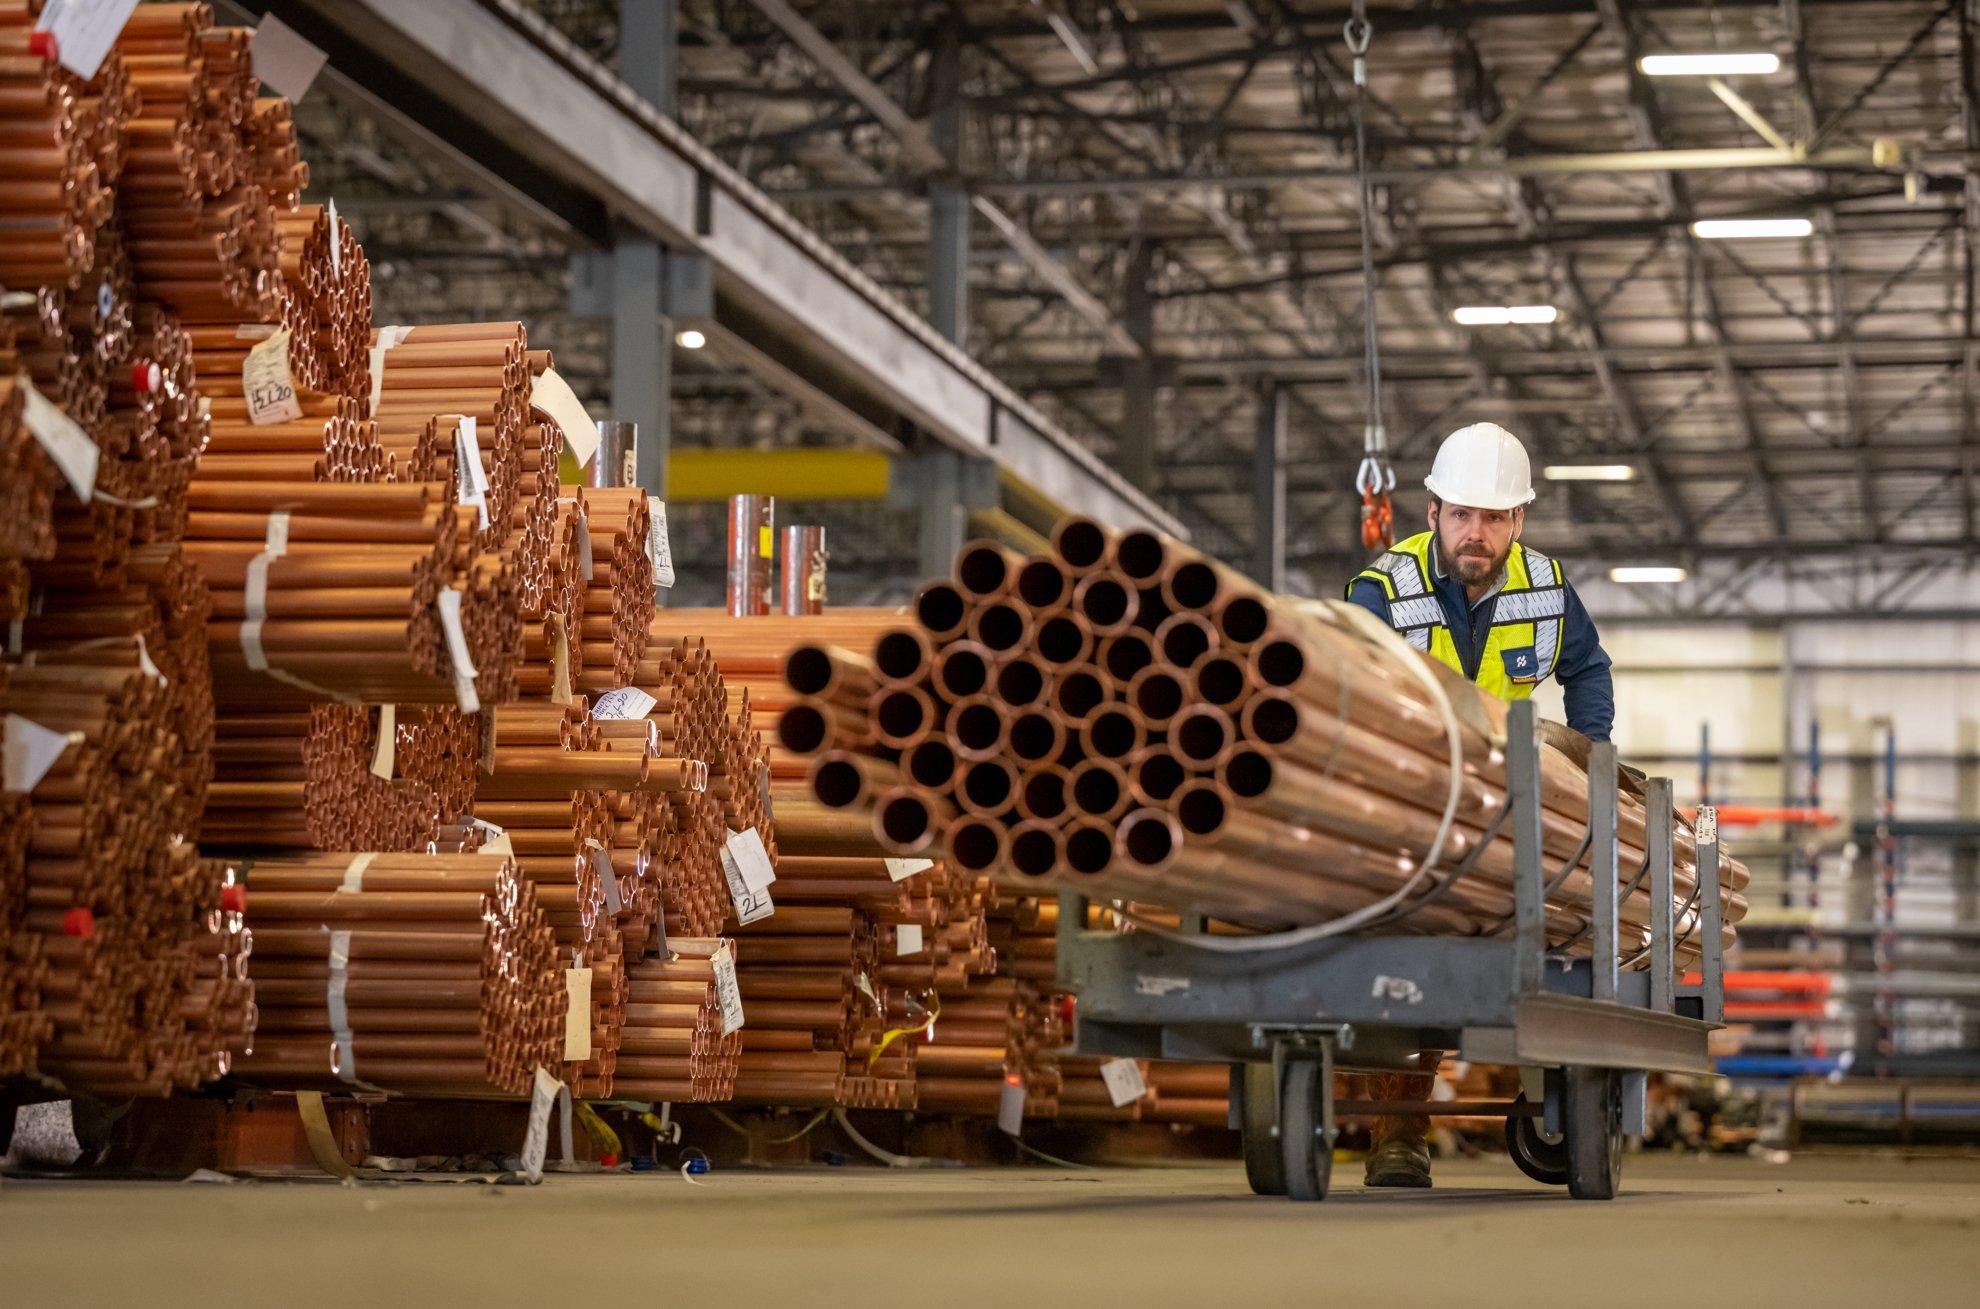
(1399, 1161)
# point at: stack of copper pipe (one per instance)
(1128, 718)
(61, 140)
(673, 1047)
(424, 974)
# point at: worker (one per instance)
(1504, 616)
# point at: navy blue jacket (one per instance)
(1583, 666)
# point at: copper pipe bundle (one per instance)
(672, 1046)
(60, 151)
(1156, 728)
(423, 974)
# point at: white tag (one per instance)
(353, 882)
(471, 484)
(907, 939)
(85, 30)
(385, 752)
(587, 562)
(494, 840)
(657, 548)
(336, 1001)
(608, 877)
(63, 439)
(284, 60)
(31, 750)
(542, 1095)
(551, 396)
(145, 666)
(623, 704)
(752, 858)
(1010, 1108)
(1705, 831)
(750, 905)
(577, 1014)
(256, 331)
(449, 604)
(864, 984)
(902, 869)
(270, 391)
(727, 993)
(336, 245)
(1124, 1081)
(388, 338)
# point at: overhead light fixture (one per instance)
(1716, 63)
(1736, 229)
(1502, 315)
(1589, 473)
(1654, 573)
(690, 339)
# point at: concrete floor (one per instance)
(1852, 1229)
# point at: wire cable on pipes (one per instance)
(1052, 1158)
(886, 1156)
(1376, 478)
(798, 1135)
(894, 1033)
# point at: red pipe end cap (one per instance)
(234, 898)
(79, 922)
(145, 377)
(44, 45)
(608, 1161)
(1067, 1006)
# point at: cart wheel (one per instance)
(1306, 1153)
(1591, 1107)
(1537, 1157)
(1258, 1105)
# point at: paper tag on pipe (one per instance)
(577, 1014)
(536, 1140)
(31, 750)
(62, 438)
(551, 396)
(335, 999)
(449, 604)
(1705, 831)
(864, 985)
(750, 904)
(84, 31)
(471, 479)
(902, 869)
(256, 331)
(283, 60)
(1124, 1081)
(1010, 1108)
(146, 666)
(336, 244)
(385, 752)
(494, 840)
(623, 704)
(907, 939)
(658, 550)
(752, 858)
(608, 877)
(558, 636)
(727, 993)
(353, 881)
(388, 338)
(266, 384)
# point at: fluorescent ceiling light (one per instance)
(1648, 573)
(1718, 63)
(1733, 229)
(1501, 315)
(1589, 473)
(690, 339)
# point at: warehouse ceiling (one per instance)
(1166, 213)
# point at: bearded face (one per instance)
(1472, 544)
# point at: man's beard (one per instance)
(1471, 569)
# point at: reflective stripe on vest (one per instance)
(1523, 640)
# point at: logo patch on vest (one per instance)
(1522, 663)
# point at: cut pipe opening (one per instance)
(964, 672)
(1078, 694)
(1248, 773)
(1147, 839)
(1272, 719)
(900, 714)
(941, 609)
(1034, 853)
(1201, 811)
(1042, 583)
(899, 655)
(982, 569)
(988, 784)
(1159, 776)
(1020, 683)
(930, 763)
(1096, 791)
(904, 821)
(1220, 680)
(977, 727)
(1141, 554)
(1194, 585)
(837, 783)
(1089, 850)
(802, 729)
(1244, 619)
(1106, 603)
(999, 626)
(1185, 643)
(808, 670)
(1279, 663)
(1200, 737)
(1035, 736)
(1080, 542)
(1112, 734)
(974, 845)
(1125, 655)
(1060, 640)
(1044, 794)
(1159, 697)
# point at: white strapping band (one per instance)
(354, 875)
(255, 599)
(340, 1014)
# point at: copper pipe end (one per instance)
(1082, 544)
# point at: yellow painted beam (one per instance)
(1011, 531)
(786, 474)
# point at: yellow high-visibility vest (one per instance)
(1523, 642)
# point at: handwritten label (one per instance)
(657, 548)
(727, 992)
(751, 903)
(902, 869)
(85, 30)
(623, 704)
(1124, 1082)
(1706, 830)
(542, 1095)
(752, 858)
(265, 381)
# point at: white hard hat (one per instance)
(1483, 466)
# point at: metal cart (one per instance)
(1583, 1032)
